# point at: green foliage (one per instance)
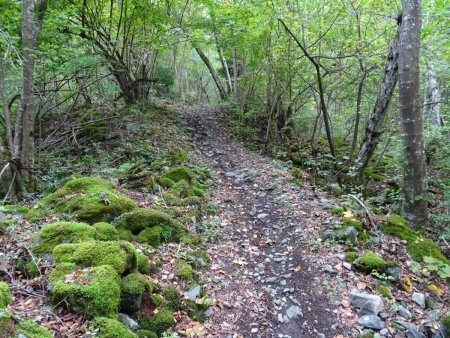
(32, 269)
(350, 256)
(110, 328)
(210, 229)
(31, 329)
(438, 266)
(179, 173)
(143, 264)
(172, 297)
(384, 291)
(5, 295)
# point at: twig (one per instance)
(369, 216)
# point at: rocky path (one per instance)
(264, 275)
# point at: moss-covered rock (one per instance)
(150, 236)
(384, 291)
(7, 326)
(397, 226)
(177, 174)
(32, 329)
(337, 211)
(171, 199)
(141, 219)
(93, 291)
(183, 270)
(14, 209)
(105, 232)
(125, 234)
(350, 256)
(57, 233)
(121, 255)
(143, 265)
(371, 261)
(160, 321)
(182, 189)
(5, 295)
(146, 334)
(166, 182)
(198, 259)
(90, 199)
(111, 328)
(135, 284)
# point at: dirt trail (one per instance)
(267, 280)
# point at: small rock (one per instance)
(384, 332)
(132, 324)
(394, 272)
(371, 322)
(330, 270)
(271, 280)
(227, 305)
(21, 336)
(209, 312)
(419, 299)
(193, 293)
(383, 315)
(280, 317)
(261, 216)
(412, 331)
(347, 265)
(230, 174)
(239, 298)
(294, 312)
(404, 312)
(367, 304)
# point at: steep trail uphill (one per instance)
(264, 274)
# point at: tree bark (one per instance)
(415, 206)
(223, 60)
(375, 126)
(213, 73)
(433, 98)
(357, 116)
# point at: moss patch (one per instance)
(143, 264)
(105, 232)
(418, 246)
(6, 324)
(136, 284)
(90, 291)
(160, 321)
(384, 291)
(31, 329)
(166, 182)
(371, 261)
(172, 297)
(62, 232)
(146, 334)
(179, 173)
(120, 255)
(32, 269)
(5, 295)
(111, 328)
(183, 270)
(150, 236)
(350, 256)
(90, 199)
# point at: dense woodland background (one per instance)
(313, 82)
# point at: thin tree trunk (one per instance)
(213, 73)
(375, 126)
(433, 98)
(235, 74)
(357, 116)
(6, 112)
(225, 70)
(415, 206)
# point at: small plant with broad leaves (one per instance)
(436, 265)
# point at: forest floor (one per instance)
(268, 279)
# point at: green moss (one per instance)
(350, 256)
(62, 232)
(157, 300)
(182, 189)
(178, 156)
(198, 259)
(125, 234)
(14, 209)
(446, 323)
(421, 247)
(143, 264)
(191, 201)
(120, 255)
(160, 321)
(172, 297)
(171, 199)
(105, 232)
(4, 224)
(384, 291)
(141, 219)
(366, 335)
(32, 269)
(136, 284)
(371, 261)
(90, 199)
(183, 270)
(146, 334)
(166, 182)
(150, 236)
(91, 291)
(349, 222)
(418, 246)
(398, 226)
(192, 240)
(5, 295)
(179, 173)
(31, 329)
(6, 324)
(111, 328)
(337, 211)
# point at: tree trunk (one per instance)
(415, 207)
(225, 70)
(433, 97)
(357, 116)
(213, 73)
(235, 74)
(374, 128)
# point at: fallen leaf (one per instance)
(408, 285)
(347, 214)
